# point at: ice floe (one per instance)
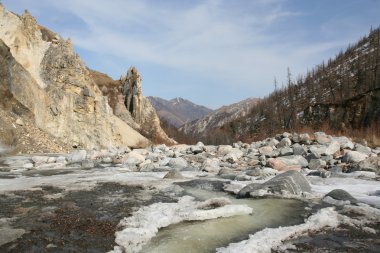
(144, 224)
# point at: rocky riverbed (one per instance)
(290, 193)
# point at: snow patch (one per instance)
(145, 223)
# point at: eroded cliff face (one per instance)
(44, 74)
(140, 107)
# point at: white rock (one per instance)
(178, 163)
(211, 165)
(224, 150)
(354, 156)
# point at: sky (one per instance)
(212, 52)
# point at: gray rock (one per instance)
(318, 149)
(266, 150)
(291, 182)
(332, 148)
(233, 156)
(224, 149)
(88, 164)
(369, 164)
(354, 156)
(322, 138)
(298, 149)
(211, 165)
(77, 156)
(344, 142)
(316, 164)
(339, 194)
(286, 151)
(335, 170)
(8, 234)
(304, 138)
(261, 172)
(271, 142)
(178, 163)
(363, 149)
(285, 142)
(173, 174)
(40, 159)
(311, 156)
(196, 149)
(242, 177)
(320, 173)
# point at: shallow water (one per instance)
(206, 236)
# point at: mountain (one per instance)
(202, 127)
(178, 111)
(340, 96)
(49, 95)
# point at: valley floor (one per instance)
(68, 203)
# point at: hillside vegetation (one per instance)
(341, 96)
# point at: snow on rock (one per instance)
(362, 190)
(270, 238)
(145, 223)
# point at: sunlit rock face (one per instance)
(140, 107)
(42, 71)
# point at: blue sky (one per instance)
(214, 52)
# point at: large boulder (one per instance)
(290, 182)
(211, 165)
(369, 164)
(340, 196)
(354, 156)
(178, 163)
(285, 163)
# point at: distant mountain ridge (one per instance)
(178, 111)
(204, 126)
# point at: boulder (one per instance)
(173, 174)
(298, 149)
(286, 163)
(211, 165)
(332, 148)
(316, 164)
(266, 150)
(233, 156)
(344, 142)
(341, 195)
(320, 173)
(286, 151)
(77, 156)
(369, 164)
(224, 150)
(285, 142)
(354, 156)
(178, 163)
(290, 182)
(304, 138)
(261, 172)
(318, 149)
(363, 149)
(197, 149)
(322, 138)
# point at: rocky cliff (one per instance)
(42, 72)
(140, 107)
(178, 111)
